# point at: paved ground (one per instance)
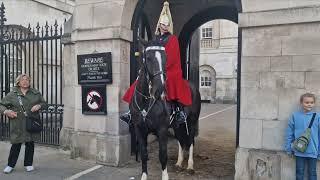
(214, 156)
(50, 164)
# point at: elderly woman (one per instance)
(10, 106)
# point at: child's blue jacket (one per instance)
(298, 123)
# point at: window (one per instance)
(207, 33)
(206, 79)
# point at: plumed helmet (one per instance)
(165, 18)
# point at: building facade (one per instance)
(25, 12)
(39, 18)
(279, 60)
(218, 61)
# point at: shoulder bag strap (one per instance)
(22, 107)
(311, 122)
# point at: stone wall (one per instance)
(94, 30)
(280, 61)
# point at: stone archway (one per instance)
(187, 17)
(94, 29)
(196, 13)
(218, 12)
(261, 20)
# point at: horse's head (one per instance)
(154, 63)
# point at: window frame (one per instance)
(205, 31)
(206, 79)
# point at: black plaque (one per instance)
(94, 100)
(95, 68)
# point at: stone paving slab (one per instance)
(50, 164)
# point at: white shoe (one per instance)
(7, 170)
(29, 168)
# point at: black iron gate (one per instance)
(37, 52)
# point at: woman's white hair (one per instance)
(19, 78)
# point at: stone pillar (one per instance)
(280, 61)
(97, 27)
(69, 70)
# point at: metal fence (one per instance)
(37, 52)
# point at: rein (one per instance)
(154, 48)
(149, 77)
(143, 112)
(156, 74)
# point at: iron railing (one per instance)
(38, 53)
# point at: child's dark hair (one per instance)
(307, 95)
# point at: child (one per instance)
(298, 123)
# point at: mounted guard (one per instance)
(177, 89)
(160, 96)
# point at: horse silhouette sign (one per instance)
(94, 99)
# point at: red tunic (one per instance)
(177, 88)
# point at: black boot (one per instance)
(181, 115)
(126, 117)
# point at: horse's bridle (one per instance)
(149, 77)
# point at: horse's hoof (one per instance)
(144, 176)
(191, 171)
(178, 168)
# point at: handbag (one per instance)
(301, 143)
(33, 124)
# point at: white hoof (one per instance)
(144, 176)
(178, 165)
(190, 161)
(180, 156)
(190, 165)
(165, 175)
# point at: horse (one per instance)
(151, 113)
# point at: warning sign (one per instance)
(94, 99)
(95, 68)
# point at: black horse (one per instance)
(150, 112)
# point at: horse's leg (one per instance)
(190, 160)
(180, 156)
(142, 139)
(163, 156)
(191, 141)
